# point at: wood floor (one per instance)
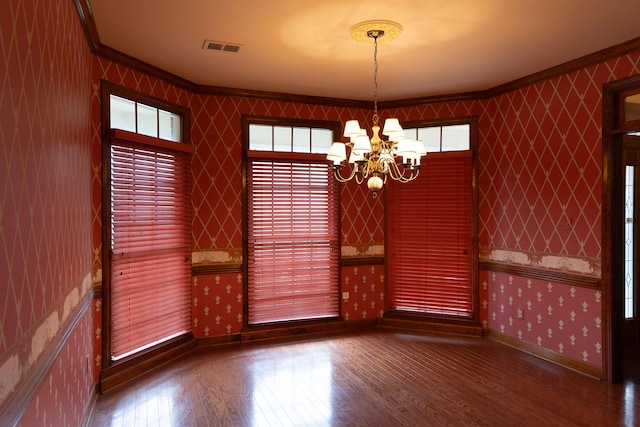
(375, 378)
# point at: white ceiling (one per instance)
(304, 47)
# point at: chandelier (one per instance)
(373, 159)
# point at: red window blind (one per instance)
(292, 220)
(150, 246)
(429, 240)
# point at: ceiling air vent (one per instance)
(221, 46)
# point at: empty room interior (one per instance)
(319, 213)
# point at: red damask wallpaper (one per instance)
(45, 209)
(539, 204)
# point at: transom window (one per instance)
(133, 116)
(289, 139)
(454, 137)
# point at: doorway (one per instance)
(631, 303)
(621, 230)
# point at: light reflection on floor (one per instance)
(629, 399)
(150, 407)
(292, 390)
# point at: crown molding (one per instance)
(556, 71)
(97, 48)
(569, 66)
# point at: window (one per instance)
(292, 250)
(453, 137)
(148, 233)
(629, 241)
(136, 117)
(430, 254)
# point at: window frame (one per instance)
(247, 154)
(475, 297)
(113, 368)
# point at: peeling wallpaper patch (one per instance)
(70, 302)
(96, 279)
(42, 336)
(362, 250)
(569, 264)
(586, 266)
(216, 257)
(48, 330)
(87, 283)
(10, 374)
(511, 257)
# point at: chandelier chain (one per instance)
(376, 118)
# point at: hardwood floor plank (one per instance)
(375, 378)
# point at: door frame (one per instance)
(631, 156)
(612, 275)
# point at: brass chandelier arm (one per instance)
(362, 170)
(402, 176)
(340, 178)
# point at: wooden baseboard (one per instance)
(217, 341)
(546, 354)
(117, 375)
(314, 330)
(471, 328)
(88, 410)
(361, 324)
(293, 331)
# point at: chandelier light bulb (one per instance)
(375, 183)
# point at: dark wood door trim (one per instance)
(612, 228)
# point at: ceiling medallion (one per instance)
(389, 31)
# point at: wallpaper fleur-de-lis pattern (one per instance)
(45, 208)
(218, 309)
(539, 173)
(217, 304)
(366, 288)
(562, 318)
(62, 398)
